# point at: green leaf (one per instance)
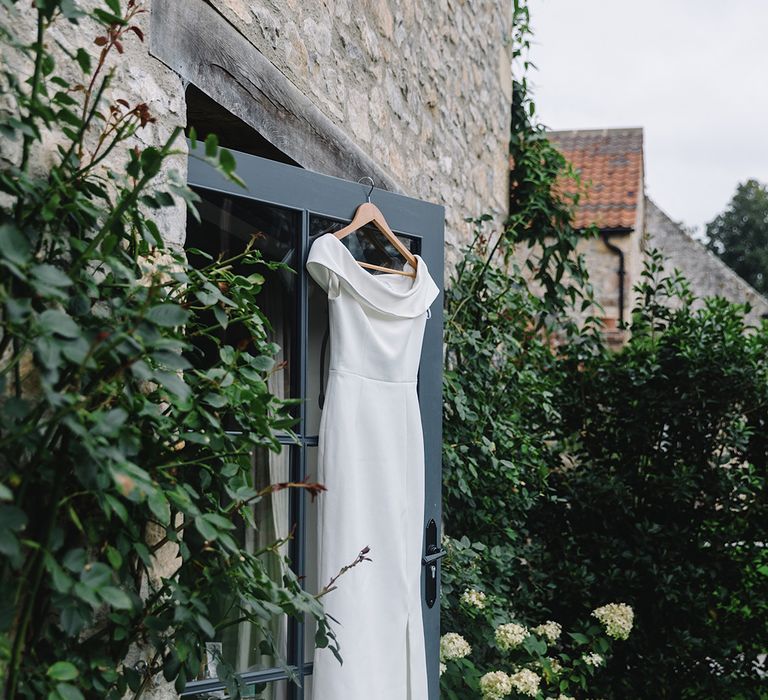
(168, 315)
(96, 575)
(227, 161)
(152, 229)
(71, 11)
(158, 504)
(220, 521)
(211, 145)
(48, 64)
(83, 59)
(12, 518)
(579, 638)
(205, 528)
(59, 323)
(151, 160)
(9, 544)
(75, 560)
(109, 422)
(263, 363)
(114, 557)
(171, 666)
(174, 384)
(13, 245)
(53, 276)
(164, 199)
(170, 360)
(62, 671)
(108, 17)
(206, 626)
(50, 208)
(116, 506)
(68, 692)
(116, 598)
(221, 316)
(62, 582)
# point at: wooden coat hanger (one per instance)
(368, 213)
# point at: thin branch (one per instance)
(331, 585)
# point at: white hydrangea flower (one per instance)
(443, 668)
(453, 646)
(495, 685)
(565, 697)
(526, 682)
(510, 635)
(593, 659)
(550, 630)
(555, 665)
(474, 598)
(617, 618)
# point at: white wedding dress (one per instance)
(371, 460)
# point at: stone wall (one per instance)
(708, 275)
(422, 86)
(603, 265)
(137, 77)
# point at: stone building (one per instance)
(411, 93)
(708, 275)
(312, 97)
(611, 165)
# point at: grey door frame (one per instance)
(310, 194)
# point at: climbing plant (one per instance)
(121, 489)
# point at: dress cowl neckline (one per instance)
(389, 293)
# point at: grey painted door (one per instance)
(284, 208)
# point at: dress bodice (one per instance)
(377, 321)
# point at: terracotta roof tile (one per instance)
(610, 162)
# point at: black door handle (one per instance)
(434, 554)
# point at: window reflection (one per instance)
(227, 225)
(367, 244)
(241, 645)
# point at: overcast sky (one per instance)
(692, 73)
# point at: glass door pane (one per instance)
(242, 645)
(228, 225)
(367, 244)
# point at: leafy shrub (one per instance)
(664, 498)
(575, 477)
(120, 488)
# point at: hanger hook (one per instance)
(373, 184)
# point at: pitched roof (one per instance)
(610, 162)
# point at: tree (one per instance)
(739, 236)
